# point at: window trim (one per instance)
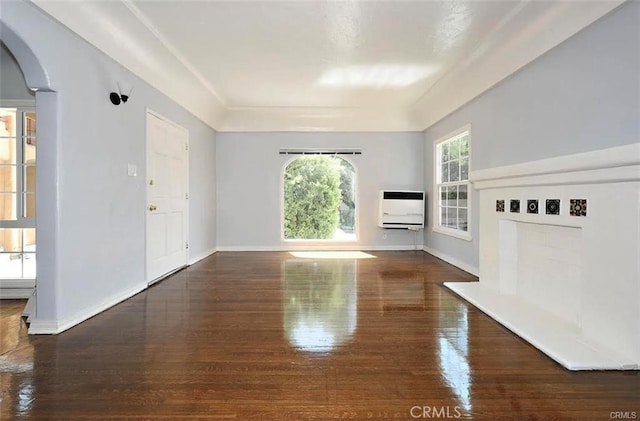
(435, 226)
(303, 241)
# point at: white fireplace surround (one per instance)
(570, 285)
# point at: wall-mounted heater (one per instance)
(401, 209)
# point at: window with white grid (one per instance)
(452, 212)
(17, 193)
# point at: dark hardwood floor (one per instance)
(268, 336)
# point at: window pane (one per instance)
(464, 146)
(29, 205)
(452, 217)
(319, 199)
(7, 122)
(29, 254)
(453, 195)
(29, 147)
(10, 240)
(30, 124)
(7, 151)
(8, 178)
(444, 196)
(464, 169)
(454, 171)
(445, 151)
(10, 265)
(454, 149)
(29, 239)
(8, 206)
(462, 196)
(462, 219)
(17, 253)
(443, 217)
(444, 172)
(29, 265)
(29, 178)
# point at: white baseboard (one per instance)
(200, 256)
(411, 247)
(452, 260)
(39, 326)
(322, 248)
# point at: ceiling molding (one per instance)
(528, 33)
(172, 49)
(113, 28)
(318, 119)
(124, 33)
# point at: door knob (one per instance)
(152, 207)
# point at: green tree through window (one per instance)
(319, 199)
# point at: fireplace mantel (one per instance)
(581, 213)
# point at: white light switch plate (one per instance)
(132, 170)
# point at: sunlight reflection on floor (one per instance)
(332, 255)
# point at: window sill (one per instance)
(461, 235)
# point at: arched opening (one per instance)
(46, 176)
(319, 199)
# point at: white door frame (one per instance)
(149, 112)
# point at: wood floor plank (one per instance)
(267, 336)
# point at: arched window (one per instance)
(319, 199)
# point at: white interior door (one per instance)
(167, 196)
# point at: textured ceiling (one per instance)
(310, 65)
(323, 53)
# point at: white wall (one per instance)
(12, 84)
(100, 223)
(583, 95)
(202, 192)
(249, 185)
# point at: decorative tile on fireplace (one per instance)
(499, 205)
(553, 206)
(532, 206)
(514, 206)
(578, 207)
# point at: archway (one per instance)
(43, 305)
